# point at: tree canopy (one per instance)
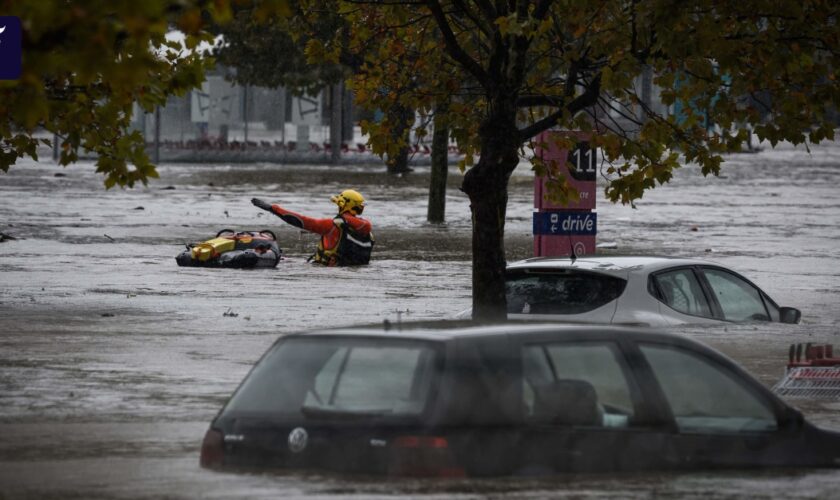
(512, 69)
(498, 72)
(86, 63)
(304, 52)
(271, 52)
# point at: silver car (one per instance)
(655, 291)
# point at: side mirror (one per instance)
(790, 315)
(792, 419)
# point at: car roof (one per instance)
(619, 265)
(447, 330)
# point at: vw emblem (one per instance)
(298, 439)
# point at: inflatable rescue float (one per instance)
(236, 249)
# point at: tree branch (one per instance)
(588, 98)
(487, 7)
(542, 9)
(454, 49)
(528, 101)
(521, 44)
(474, 18)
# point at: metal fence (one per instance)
(227, 122)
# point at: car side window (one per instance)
(739, 300)
(704, 396)
(576, 384)
(682, 292)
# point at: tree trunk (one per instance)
(347, 113)
(486, 185)
(647, 92)
(157, 136)
(440, 168)
(398, 164)
(335, 123)
(402, 119)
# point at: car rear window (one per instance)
(538, 291)
(324, 377)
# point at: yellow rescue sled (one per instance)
(237, 249)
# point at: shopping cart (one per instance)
(817, 376)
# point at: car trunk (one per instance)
(343, 404)
(347, 447)
(301, 444)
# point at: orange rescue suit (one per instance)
(332, 231)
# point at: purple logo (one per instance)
(10, 48)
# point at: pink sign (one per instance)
(579, 167)
(553, 245)
(581, 177)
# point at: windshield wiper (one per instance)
(328, 413)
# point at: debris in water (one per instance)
(229, 313)
(112, 239)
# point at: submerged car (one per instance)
(509, 399)
(652, 291)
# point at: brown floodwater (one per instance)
(113, 360)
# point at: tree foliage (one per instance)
(766, 64)
(271, 52)
(512, 69)
(86, 63)
(304, 52)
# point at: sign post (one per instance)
(569, 228)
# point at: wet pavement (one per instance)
(113, 360)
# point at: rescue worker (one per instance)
(346, 239)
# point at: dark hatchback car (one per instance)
(509, 399)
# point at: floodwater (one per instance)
(113, 360)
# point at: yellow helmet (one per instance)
(349, 200)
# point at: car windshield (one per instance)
(334, 377)
(557, 291)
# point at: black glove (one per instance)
(259, 203)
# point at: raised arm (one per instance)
(320, 226)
